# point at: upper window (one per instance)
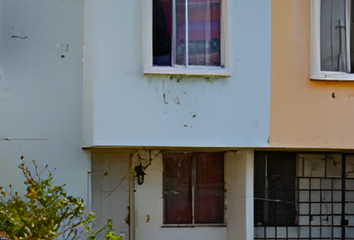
(193, 188)
(187, 37)
(332, 40)
(186, 32)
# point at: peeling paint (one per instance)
(18, 34)
(176, 99)
(185, 79)
(63, 48)
(164, 98)
(20, 37)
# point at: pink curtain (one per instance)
(209, 191)
(177, 188)
(203, 32)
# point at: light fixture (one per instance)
(140, 174)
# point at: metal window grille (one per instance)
(323, 203)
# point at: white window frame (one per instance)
(147, 28)
(316, 72)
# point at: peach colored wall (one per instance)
(303, 112)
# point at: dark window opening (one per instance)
(193, 188)
(162, 32)
(274, 189)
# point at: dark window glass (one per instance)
(198, 173)
(274, 188)
(162, 32)
(177, 187)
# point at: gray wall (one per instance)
(41, 90)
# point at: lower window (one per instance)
(274, 189)
(193, 188)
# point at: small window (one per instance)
(186, 32)
(335, 32)
(274, 189)
(193, 188)
(333, 40)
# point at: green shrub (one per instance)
(46, 211)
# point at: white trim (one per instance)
(149, 69)
(347, 36)
(174, 34)
(332, 76)
(316, 73)
(146, 13)
(192, 70)
(315, 37)
(186, 37)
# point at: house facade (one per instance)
(311, 195)
(158, 125)
(211, 119)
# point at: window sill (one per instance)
(213, 225)
(190, 71)
(332, 76)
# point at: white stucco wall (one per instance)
(239, 198)
(110, 189)
(124, 107)
(41, 90)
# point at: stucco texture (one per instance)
(124, 107)
(304, 113)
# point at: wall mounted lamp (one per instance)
(140, 174)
